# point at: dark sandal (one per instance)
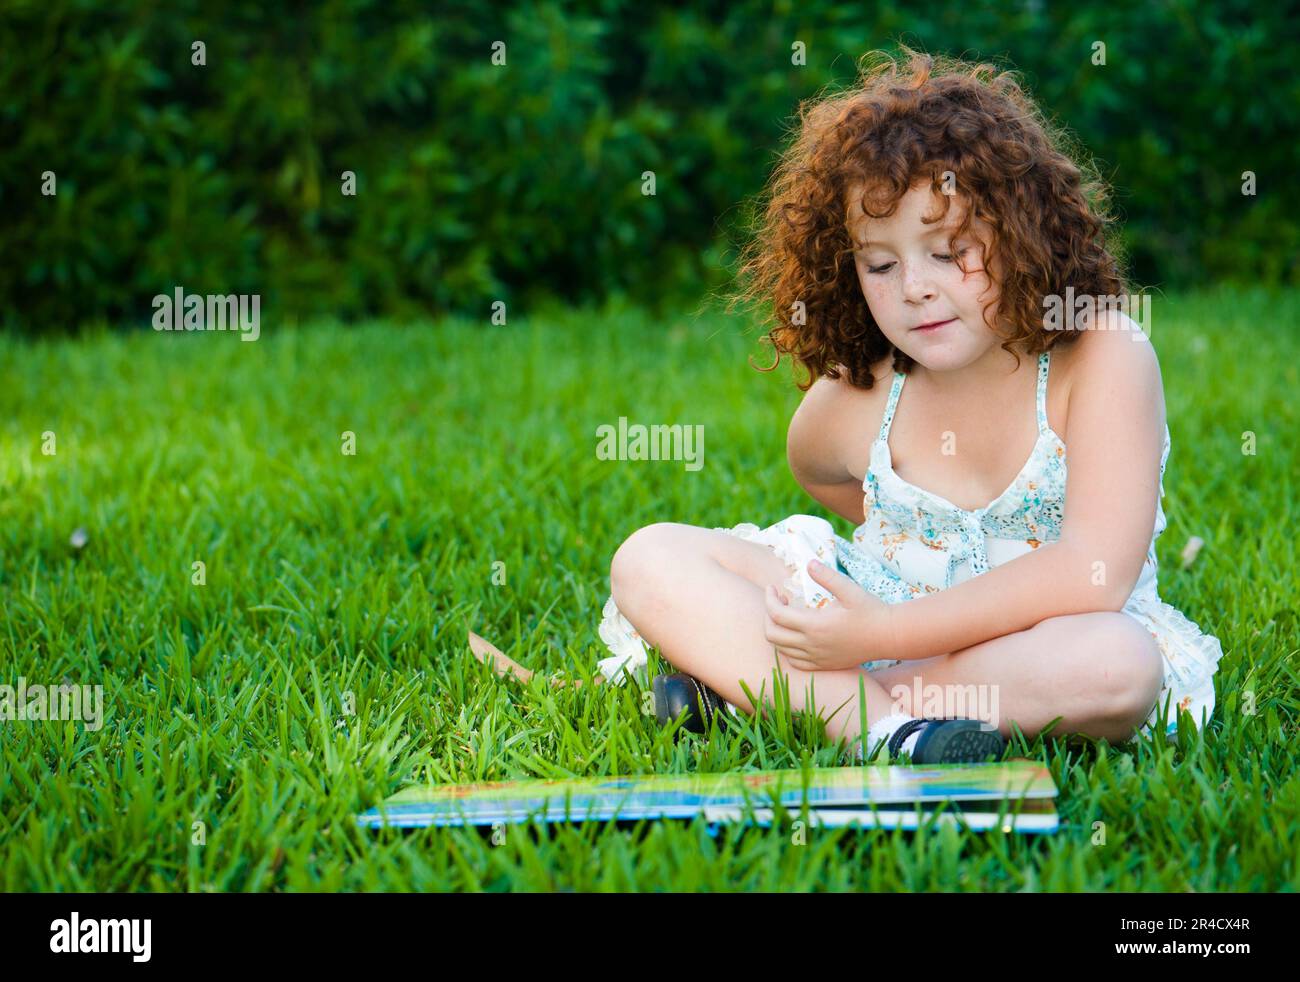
(949, 741)
(679, 691)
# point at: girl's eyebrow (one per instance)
(936, 230)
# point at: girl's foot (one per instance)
(946, 741)
(505, 666)
(679, 691)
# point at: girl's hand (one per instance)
(853, 628)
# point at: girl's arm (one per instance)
(846, 499)
(816, 460)
(1115, 434)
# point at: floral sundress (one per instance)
(915, 542)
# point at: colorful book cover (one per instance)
(1013, 795)
(1026, 815)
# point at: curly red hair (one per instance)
(1041, 198)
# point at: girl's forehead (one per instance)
(921, 203)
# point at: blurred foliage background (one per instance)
(477, 182)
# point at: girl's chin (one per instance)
(942, 357)
(936, 351)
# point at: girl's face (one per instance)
(910, 279)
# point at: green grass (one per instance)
(329, 574)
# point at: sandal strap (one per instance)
(903, 732)
(708, 706)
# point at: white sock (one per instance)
(881, 730)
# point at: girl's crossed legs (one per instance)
(697, 595)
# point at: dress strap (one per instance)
(1044, 361)
(888, 419)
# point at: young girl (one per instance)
(919, 230)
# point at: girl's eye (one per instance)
(945, 256)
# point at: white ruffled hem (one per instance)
(630, 652)
(1191, 658)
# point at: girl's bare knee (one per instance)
(643, 557)
(1115, 669)
(647, 562)
(1132, 670)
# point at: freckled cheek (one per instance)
(874, 289)
(880, 301)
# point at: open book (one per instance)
(1017, 795)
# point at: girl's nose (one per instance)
(917, 286)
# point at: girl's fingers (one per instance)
(783, 637)
(796, 659)
(781, 613)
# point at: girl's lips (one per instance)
(931, 327)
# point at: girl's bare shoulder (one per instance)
(1117, 349)
(832, 430)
